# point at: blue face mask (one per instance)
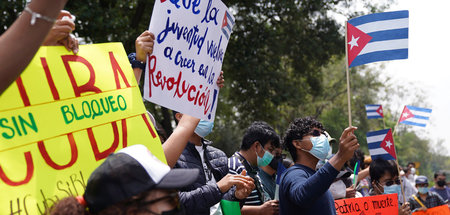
(204, 128)
(423, 190)
(320, 148)
(392, 189)
(265, 160)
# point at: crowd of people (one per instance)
(198, 176)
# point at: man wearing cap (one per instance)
(258, 144)
(424, 199)
(213, 183)
(131, 181)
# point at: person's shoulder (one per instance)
(234, 165)
(296, 171)
(215, 151)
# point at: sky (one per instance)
(426, 69)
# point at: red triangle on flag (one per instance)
(380, 111)
(388, 144)
(406, 114)
(356, 41)
(225, 20)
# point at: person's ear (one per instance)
(297, 144)
(256, 146)
(178, 116)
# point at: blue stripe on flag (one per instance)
(375, 133)
(419, 109)
(383, 156)
(421, 117)
(380, 56)
(374, 145)
(229, 18)
(229, 27)
(395, 34)
(226, 34)
(379, 17)
(414, 123)
(374, 117)
(371, 111)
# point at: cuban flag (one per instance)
(415, 116)
(381, 145)
(374, 111)
(227, 24)
(377, 37)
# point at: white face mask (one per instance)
(337, 189)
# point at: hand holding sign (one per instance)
(189, 47)
(144, 45)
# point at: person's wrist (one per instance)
(48, 8)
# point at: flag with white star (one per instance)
(377, 37)
(381, 145)
(374, 111)
(416, 116)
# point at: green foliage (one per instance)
(284, 60)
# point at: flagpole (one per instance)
(396, 125)
(398, 170)
(348, 80)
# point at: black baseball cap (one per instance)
(129, 172)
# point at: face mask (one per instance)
(176, 211)
(413, 170)
(265, 160)
(204, 128)
(274, 163)
(320, 148)
(423, 190)
(337, 189)
(392, 189)
(441, 183)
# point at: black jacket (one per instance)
(200, 196)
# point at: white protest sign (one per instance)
(191, 39)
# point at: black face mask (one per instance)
(441, 183)
(274, 163)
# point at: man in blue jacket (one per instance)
(302, 189)
(213, 183)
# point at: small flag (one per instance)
(374, 111)
(230, 207)
(377, 37)
(280, 171)
(415, 116)
(227, 24)
(381, 145)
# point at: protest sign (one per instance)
(61, 118)
(191, 39)
(440, 210)
(377, 205)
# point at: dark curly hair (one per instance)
(297, 130)
(262, 132)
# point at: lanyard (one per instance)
(252, 173)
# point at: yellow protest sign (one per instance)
(61, 118)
